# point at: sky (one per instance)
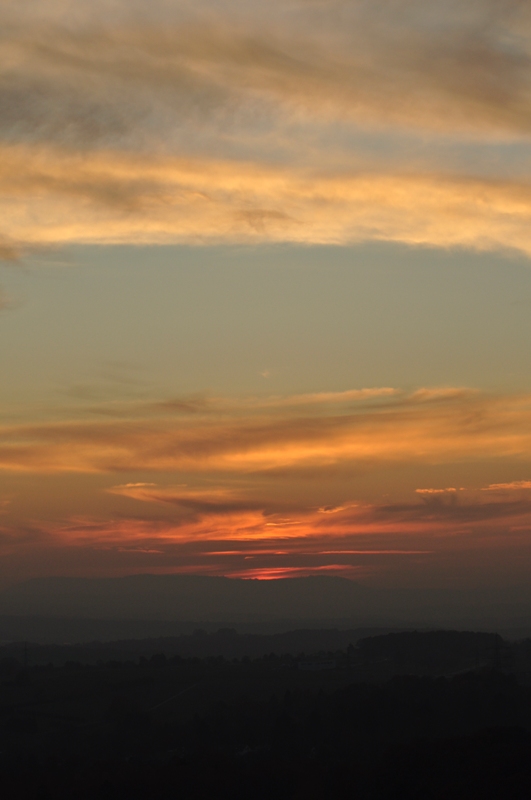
(265, 289)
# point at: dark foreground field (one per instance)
(415, 715)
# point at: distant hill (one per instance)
(225, 642)
(319, 600)
(370, 652)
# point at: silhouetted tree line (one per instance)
(199, 644)
(209, 728)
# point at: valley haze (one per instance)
(142, 606)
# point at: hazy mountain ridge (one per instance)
(182, 598)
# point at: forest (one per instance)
(417, 714)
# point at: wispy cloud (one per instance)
(196, 501)
(422, 427)
(430, 492)
(159, 122)
(513, 486)
(358, 541)
(112, 198)
(412, 63)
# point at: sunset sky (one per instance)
(265, 289)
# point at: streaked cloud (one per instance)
(195, 501)
(411, 63)
(359, 541)
(428, 492)
(422, 427)
(513, 486)
(116, 198)
(129, 122)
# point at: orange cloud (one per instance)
(248, 123)
(196, 501)
(211, 495)
(450, 489)
(362, 529)
(507, 487)
(276, 573)
(445, 427)
(52, 197)
(361, 541)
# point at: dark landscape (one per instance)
(304, 713)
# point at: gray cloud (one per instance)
(154, 71)
(452, 510)
(10, 251)
(172, 121)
